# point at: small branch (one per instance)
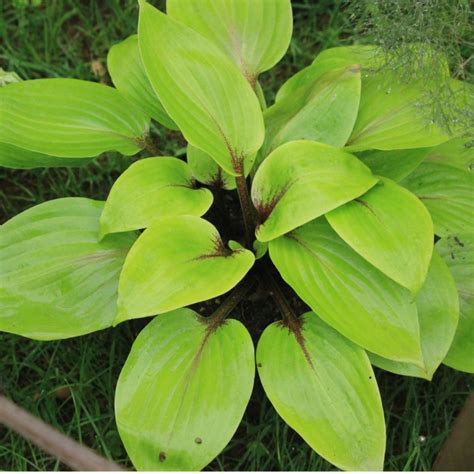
(67, 450)
(248, 211)
(150, 146)
(275, 291)
(235, 297)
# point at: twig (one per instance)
(235, 297)
(67, 450)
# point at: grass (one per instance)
(71, 384)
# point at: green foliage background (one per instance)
(71, 383)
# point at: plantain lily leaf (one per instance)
(302, 180)
(176, 262)
(56, 279)
(150, 189)
(254, 34)
(207, 171)
(458, 253)
(438, 314)
(18, 158)
(347, 292)
(328, 60)
(323, 386)
(391, 229)
(201, 89)
(392, 116)
(322, 110)
(129, 77)
(458, 152)
(183, 391)
(393, 164)
(70, 118)
(448, 194)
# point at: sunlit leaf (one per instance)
(302, 180)
(438, 313)
(254, 33)
(448, 193)
(324, 387)
(150, 189)
(393, 164)
(207, 171)
(176, 262)
(322, 110)
(391, 229)
(183, 391)
(458, 253)
(347, 292)
(18, 158)
(70, 118)
(56, 279)
(201, 89)
(129, 77)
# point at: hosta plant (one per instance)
(348, 192)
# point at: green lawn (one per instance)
(70, 384)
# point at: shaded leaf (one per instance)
(176, 262)
(18, 158)
(201, 89)
(347, 292)
(183, 391)
(56, 279)
(448, 193)
(458, 152)
(129, 77)
(392, 116)
(302, 180)
(438, 314)
(70, 118)
(391, 229)
(150, 189)
(329, 60)
(324, 387)
(458, 252)
(254, 34)
(207, 171)
(393, 164)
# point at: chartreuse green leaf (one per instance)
(56, 279)
(176, 262)
(150, 189)
(255, 34)
(448, 193)
(458, 152)
(330, 59)
(129, 77)
(70, 118)
(324, 387)
(438, 314)
(458, 253)
(302, 180)
(391, 116)
(183, 391)
(322, 110)
(393, 164)
(206, 170)
(201, 89)
(391, 229)
(14, 157)
(347, 292)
